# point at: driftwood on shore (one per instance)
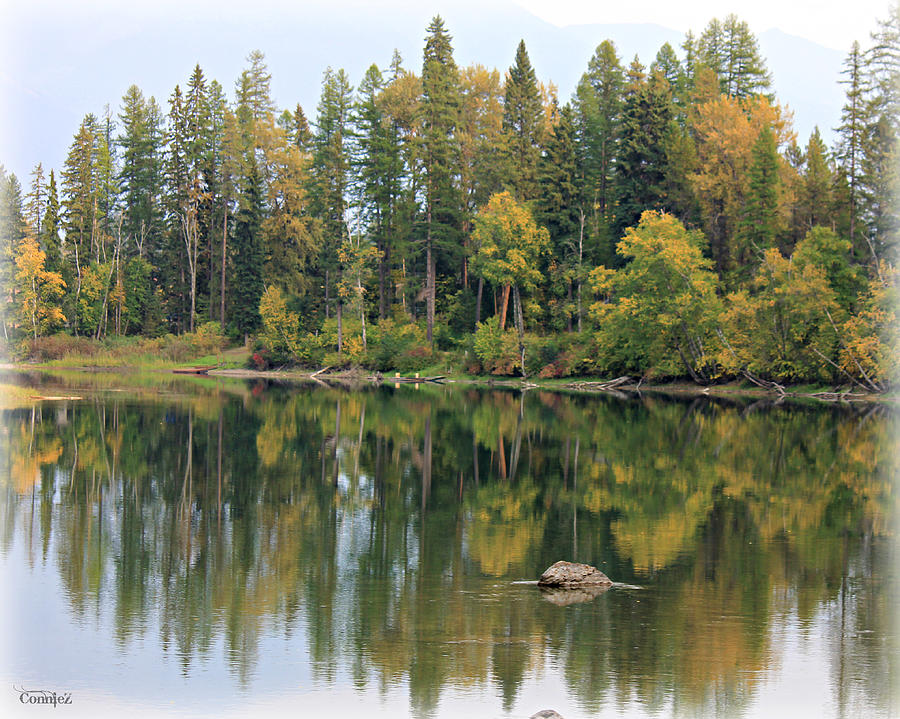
(618, 383)
(413, 380)
(194, 370)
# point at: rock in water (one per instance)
(570, 574)
(546, 714)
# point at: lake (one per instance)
(213, 547)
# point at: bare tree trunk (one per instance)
(340, 326)
(478, 301)
(520, 326)
(383, 266)
(503, 305)
(190, 230)
(326, 294)
(580, 260)
(429, 287)
(362, 309)
(222, 280)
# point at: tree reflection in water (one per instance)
(381, 528)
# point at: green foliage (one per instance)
(92, 308)
(247, 281)
(870, 339)
(280, 327)
(659, 312)
(759, 227)
(509, 243)
(779, 328)
(641, 162)
(732, 52)
(523, 120)
(397, 345)
(822, 248)
(495, 349)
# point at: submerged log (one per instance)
(571, 574)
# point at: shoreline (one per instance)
(584, 385)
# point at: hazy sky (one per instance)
(60, 59)
(832, 23)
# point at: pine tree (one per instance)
(12, 230)
(641, 167)
(440, 109)
(331, 165)
(173, 278)
(256, 93)
(558, 209)
(378, 165)
(598, 113)
(758, 227)
(732, 52)
(247, 279)
(667, 64)
(523, 120)
(107, 196)
(37, 199)
(50, 226)
(303, 136)
(881, 159)
(817, 182)
(140, 174)
(855, 117)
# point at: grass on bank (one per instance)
(207, 346)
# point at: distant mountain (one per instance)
(61, 66)
(806, 78)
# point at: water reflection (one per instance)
(381, 529)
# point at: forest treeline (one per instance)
(663, 222)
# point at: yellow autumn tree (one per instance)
(778, 328)
(726, 129)
(39, 291)
(280, 326)
(510, 243)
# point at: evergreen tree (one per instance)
(558, 209)
(758, 227)
(37, 199)
(247, 279)
(378, 164)
(598, 115)
(440, 109)
(50, 226)
(140, 174)
(667, 64)
(816, 202)
(732, 52)
(850, 149)
(880, 184)
(173, 275)
(642, 163)
(523, 120)
(12, 230)
(331, 166)
(303, 136)
(107, 193)
(255, 91)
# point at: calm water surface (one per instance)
(211, 547)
